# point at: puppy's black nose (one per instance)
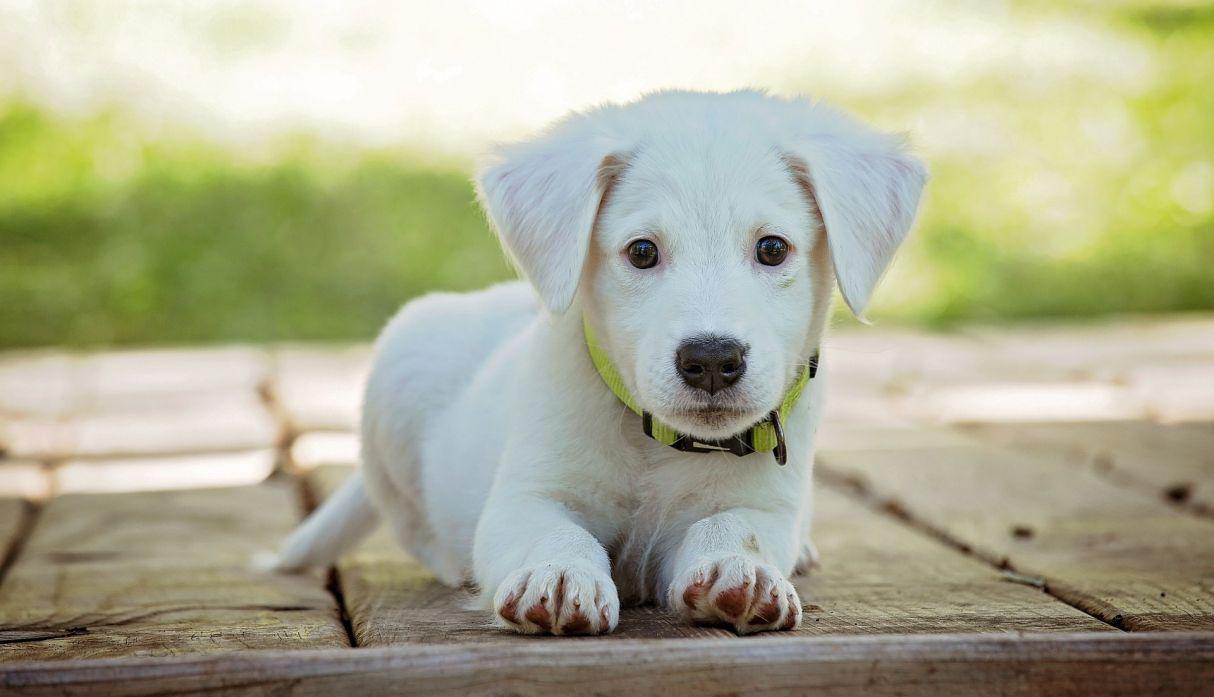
(711, 363)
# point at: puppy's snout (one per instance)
(711, 363)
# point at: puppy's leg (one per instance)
(728, 571)
(545, 573)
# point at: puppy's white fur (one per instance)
(496, 452)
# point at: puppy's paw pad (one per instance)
(558, 599)
(736, 592)
(507, 607)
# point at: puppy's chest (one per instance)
(653, 514)
(651, 495)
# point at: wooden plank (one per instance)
(43, 383)
(161, 573)
(392, 599)
(24, 479)
(320, 388)
(216, 422)
(998, 400)
(1175, 462)
(132, 403)
(1111, 665)
(311, 450)
(153, 473)
(1116, 553)
(870, 436)
(870, 372)
(1157, 368)
(1176, 391)
(878, 577)
(38, 383)
(1101, 350)
(139, 380)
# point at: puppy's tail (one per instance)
(340, 523)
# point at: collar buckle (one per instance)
(740, 445)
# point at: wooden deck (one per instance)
(1024, 511)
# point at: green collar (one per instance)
(765, 436)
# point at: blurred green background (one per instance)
(1051, 196)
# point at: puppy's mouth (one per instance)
(714, 420)
(715, 416)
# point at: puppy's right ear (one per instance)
(543, 197)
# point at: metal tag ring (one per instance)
(780, 452)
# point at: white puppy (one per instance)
(683, 249)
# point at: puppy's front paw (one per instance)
(558, 599)
(737, 592)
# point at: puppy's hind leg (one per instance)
(341, 522)
(808, 558)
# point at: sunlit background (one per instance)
(181, 172)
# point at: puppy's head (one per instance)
(701, 234)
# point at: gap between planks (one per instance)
(25, 525)
(113, 575)
(308, 503)
(857, 490)
(268, 393)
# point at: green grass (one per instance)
(1084, 202)
(185, 245)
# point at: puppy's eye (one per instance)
(643, 254)
(770, 251)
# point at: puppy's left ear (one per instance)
(543, 197)
(866, 187)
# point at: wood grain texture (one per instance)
(1119, 554)
(161, 573)
(938, 666)
(878, 576)
(1175, 462)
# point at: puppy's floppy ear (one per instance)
(543, 197)
(866, 188)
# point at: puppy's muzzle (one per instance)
(711, 363)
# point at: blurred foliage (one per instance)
(109, 241)
(1072, 200)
